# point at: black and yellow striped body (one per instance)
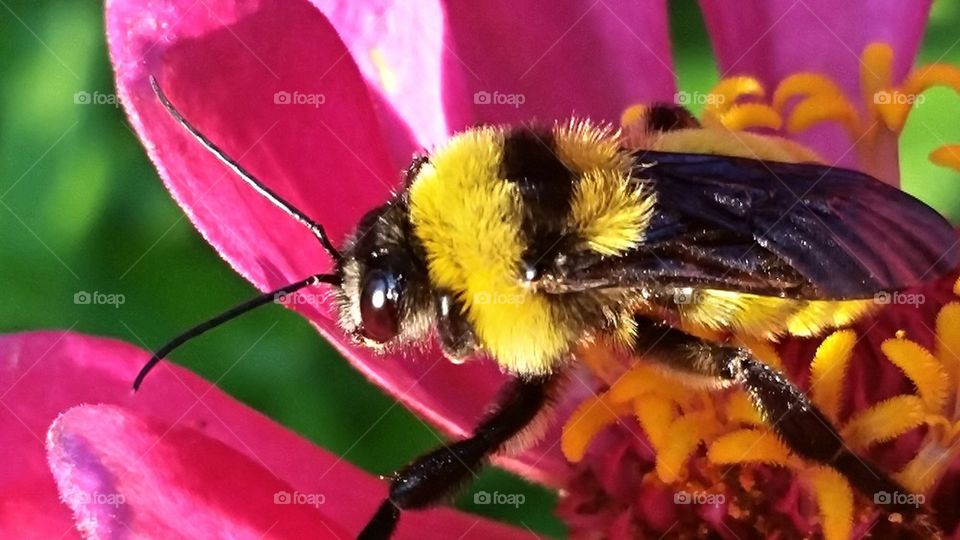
(525, 243)
(493, 208)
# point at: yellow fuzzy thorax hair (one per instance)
(469, 219)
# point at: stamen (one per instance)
(876, 71)
(686, 433)
(749, 446)
(641, 380)
(750, 115)
(835, 500)
(894, 105)
(829, 369)
(947, 156)
(655, 415)
(740, 410)
(923, 471)
(804, 84)
(922, 79)
(926, 77)
(948, 345)
(823, 108)
(922, 368)
(884, 421)
(588, 420)
(725, 94)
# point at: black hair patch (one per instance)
(546, 185)
(669, 117)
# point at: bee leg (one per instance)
(436, 475)
(785, 408)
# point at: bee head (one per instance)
(384, 296)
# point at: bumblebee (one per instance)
(529, 244)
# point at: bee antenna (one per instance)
(228, 315)
(245, 175)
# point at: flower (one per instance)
(329, 112)
(698, 458)
(139, 465)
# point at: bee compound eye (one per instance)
(379, 310)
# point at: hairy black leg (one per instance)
(787, 410)
(433, 477)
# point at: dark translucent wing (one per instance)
(690, 257)
(798, 230)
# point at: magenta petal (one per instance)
(771, 39)
(252, 76)
(397, 46)
(507, 61)
(43, 374)
(123, 475)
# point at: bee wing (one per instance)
(779, 229)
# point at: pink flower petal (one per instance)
(122, 475)
(771, 39)
(236, 70)
(547, 67)
(45, 373)
(507, 61)
(398, 48)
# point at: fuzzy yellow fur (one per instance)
(608, 211)
(769, 317)
(724, 142)
(469, 220)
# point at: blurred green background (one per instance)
(81, 209)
